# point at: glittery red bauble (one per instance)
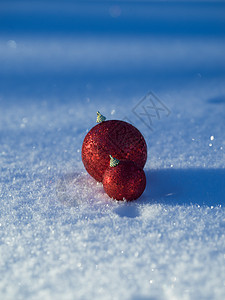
(124, 181)
(118, 138)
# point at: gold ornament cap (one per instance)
(100, 117)
(113, 161)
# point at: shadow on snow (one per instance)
(185, 187)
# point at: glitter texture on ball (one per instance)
(118, 138)
(124, 180)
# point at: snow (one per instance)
(61, 236)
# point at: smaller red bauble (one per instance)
(124, 180)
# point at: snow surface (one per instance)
(61, 236)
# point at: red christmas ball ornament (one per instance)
(118, 138)
(123, 179)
